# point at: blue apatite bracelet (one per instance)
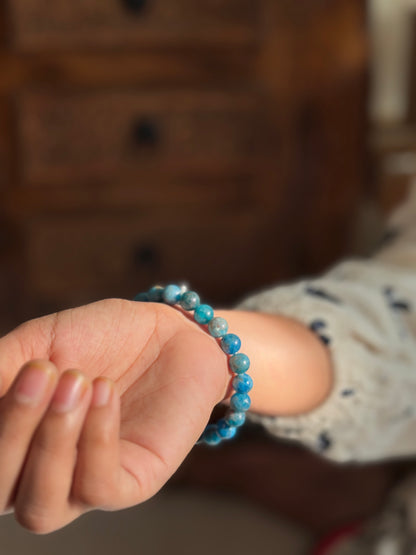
(230, 343)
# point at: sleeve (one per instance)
(364, 311)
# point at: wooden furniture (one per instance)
(219, 142)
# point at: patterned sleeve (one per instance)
(364, 311)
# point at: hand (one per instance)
(59, 460)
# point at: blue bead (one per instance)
(242, 383)
(155, 294)
(240, 402)
(218, 327)
(203, 314)
(172, 294)
(239, 363)
(211, 435)
(235, 418)
(189, 300)
(230, 343)
(141, 297)
(225, 430)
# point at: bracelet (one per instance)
(230, 343)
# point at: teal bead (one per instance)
(203, 314)
(218, 327)
(230, 343)
(240, 402)
(141, 297)
(211, 435)
(172, 294)
(189, 300)
(235, 419)
(239, 363)
(243, 383)
(155, 294)
(225, 430)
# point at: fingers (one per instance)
(98, 476)
(20, 412)
(41, 502)
(60, 448)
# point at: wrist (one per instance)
(290, 366)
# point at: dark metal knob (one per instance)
(145, 256)
(145, 132)
(135, 6)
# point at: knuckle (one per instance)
(45, 442)
(101, 440)
(93, 494)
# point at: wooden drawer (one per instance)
(76, 260)
(122, 135)
(80, 23)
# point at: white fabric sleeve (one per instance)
(364, 310)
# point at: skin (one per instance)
(163, 375)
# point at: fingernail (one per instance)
(32, 384)
(101, 392)
(69, 391)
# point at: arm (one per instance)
(290, 366)
(362, 403)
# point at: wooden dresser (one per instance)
(220, 142)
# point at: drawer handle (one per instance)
(145, 256)
(145, 133)
(134, 6)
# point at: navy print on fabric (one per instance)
(324, 441)
(394, 302)
(400, 305)
(325, 340)
(317, 325)
(347, 392)
(317, 292)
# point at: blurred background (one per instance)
(220, 142)
(230, 144)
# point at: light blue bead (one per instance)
(203, 314)
(155, 294)
(141, 297)
(211, 435)
(225, 430)
(235, 418)
(172, 294)
(242, 383)
(239, 363)
(240, 402)
(189, 300)
(218, 327)
(230, 343)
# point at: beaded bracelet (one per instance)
(230, 343)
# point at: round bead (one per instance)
(141, 297)
(230, 343)
(203, 314)
(172, 294)
(218, 327)
(240, 402)
(242, 383)
(225, 430)
(211, 435)
(235, 418)
(189, 300)
(155, 294)
(239, 363)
